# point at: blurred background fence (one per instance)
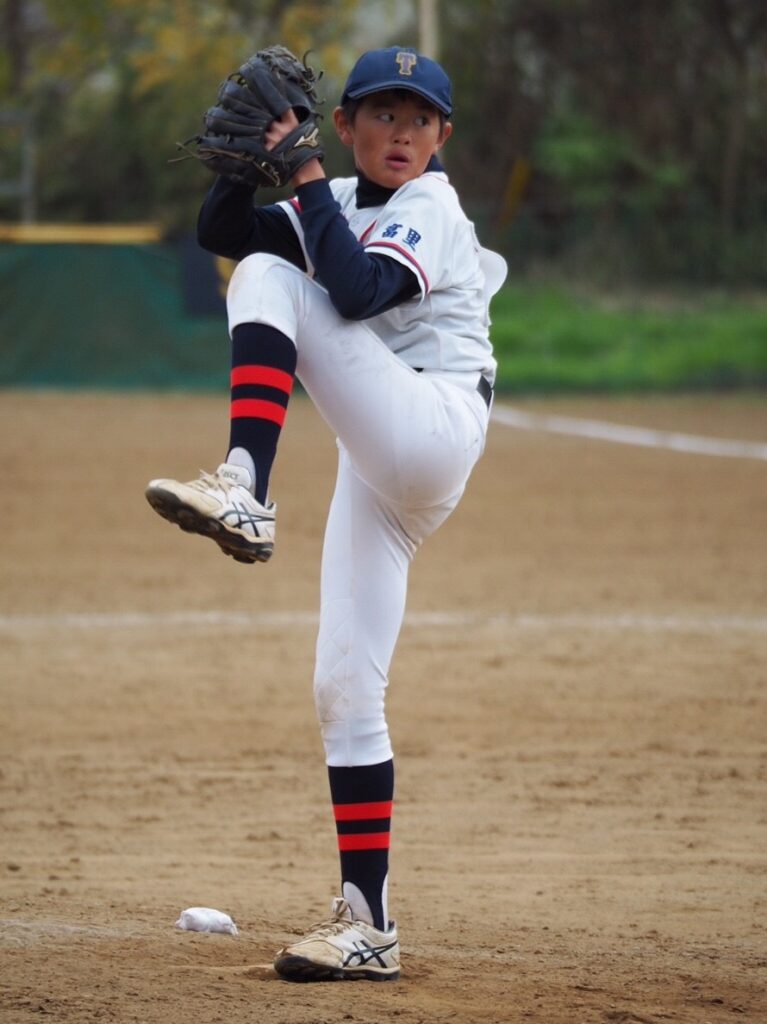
(111, 315)
(612, 153)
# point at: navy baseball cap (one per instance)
(399, 67)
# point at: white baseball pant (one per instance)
(407, 444)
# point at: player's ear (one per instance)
(444, 135)
(343, 126)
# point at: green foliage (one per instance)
(550, 339)
(602, 167)
(584, 158)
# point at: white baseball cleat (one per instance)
(220, 506)
(341, 949)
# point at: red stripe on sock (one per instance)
(360, 812)
(365, 841)
(258, 409)
(266, 375)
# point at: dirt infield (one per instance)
(577, 704)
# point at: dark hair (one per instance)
(351, 107)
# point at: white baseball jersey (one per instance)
(422, 226)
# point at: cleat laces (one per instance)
(335, 925)
(212, 481)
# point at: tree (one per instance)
(112, 91)
(639, 121)
(633, 132)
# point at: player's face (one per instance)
(393, 136)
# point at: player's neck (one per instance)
(370, 193)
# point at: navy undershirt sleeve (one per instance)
(230, 225)
(360, 284)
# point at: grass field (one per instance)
(551, 338)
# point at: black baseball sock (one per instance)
(263, 370)
(362, 805)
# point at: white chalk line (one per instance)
(17, 625)
(642, 437)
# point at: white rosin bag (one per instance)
(206, 919)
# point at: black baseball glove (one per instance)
(233, 143)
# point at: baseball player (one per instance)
(374, 291)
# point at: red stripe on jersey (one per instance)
(361, 812)
(258, 409)
(266, 375)
(364, 841)
(378, 244)
(366, 233)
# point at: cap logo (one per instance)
(406, 61)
